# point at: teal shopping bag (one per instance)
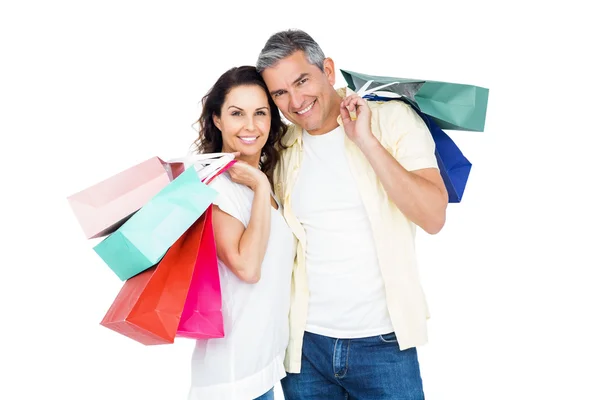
(452, 106)
(143, 240)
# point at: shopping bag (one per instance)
(454, 166)
(450, 105)
(202, 317)
(185, 282)
(148, 308)
(102, 208)
(143, 240)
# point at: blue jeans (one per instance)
(270, 395)
(371, 368)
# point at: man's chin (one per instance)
(304, 124)
(307, 126)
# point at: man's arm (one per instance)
(420, 194)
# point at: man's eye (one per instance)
(302, 81)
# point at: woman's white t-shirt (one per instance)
(248, 361)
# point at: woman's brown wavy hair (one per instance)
(210, 139)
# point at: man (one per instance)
(355, 178)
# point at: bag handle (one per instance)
(203, 158)
(219, 172)
(364, 90)
(209, 172)
(207, 165)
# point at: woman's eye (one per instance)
(261, 113)
(236, 113)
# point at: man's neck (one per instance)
(324, 129)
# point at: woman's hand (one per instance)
(245, 174)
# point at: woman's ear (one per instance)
(216, 121)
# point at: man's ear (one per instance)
(216, 121)
(329, 69)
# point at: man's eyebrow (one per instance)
(302, 76)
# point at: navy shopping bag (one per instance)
(454, 166)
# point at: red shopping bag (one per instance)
(149, 306)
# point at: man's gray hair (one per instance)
(283, 44)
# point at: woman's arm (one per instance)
(243, 249)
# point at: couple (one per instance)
(314, 228)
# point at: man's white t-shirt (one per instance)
(248, 361)
(347, 293)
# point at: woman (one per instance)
(255, 247)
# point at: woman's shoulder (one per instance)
(230, 189)
(232, 198)
(223, 182)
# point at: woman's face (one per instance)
(245, 121)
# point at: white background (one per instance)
(89, 88)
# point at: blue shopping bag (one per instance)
(454, 166)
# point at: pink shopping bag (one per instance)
(202, 317)
(103, 207)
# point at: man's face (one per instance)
(304, 94)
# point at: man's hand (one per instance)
(357, 129)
